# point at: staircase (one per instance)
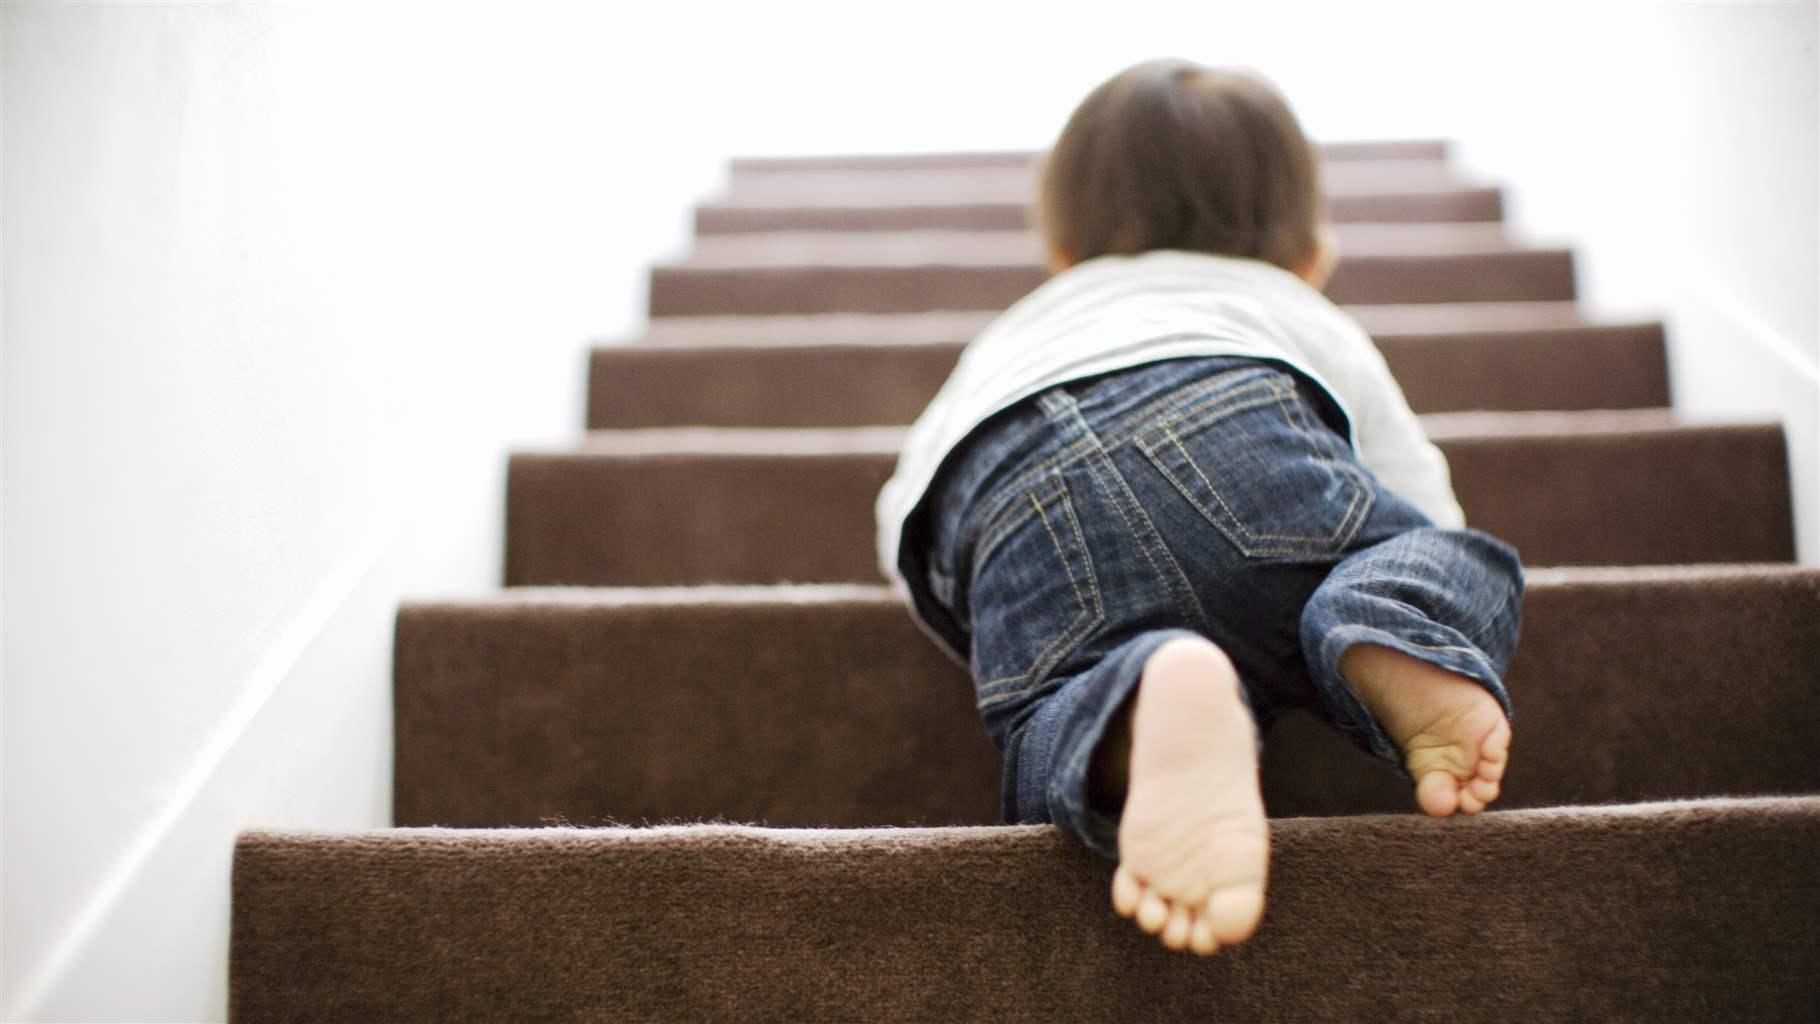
(695, 763)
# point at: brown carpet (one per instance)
(838, 378)
(1659, 912)
(823, 705)
(1460, 203)
(684, 505)
(684, 289)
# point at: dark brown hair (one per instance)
(1170, 154)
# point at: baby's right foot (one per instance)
(1193, 842)
(1454, 737)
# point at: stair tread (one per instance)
(1352, 149)
(894, 251)
(888, 439)
(890, 924)
(950, 326)
(826, 382)
(704, 503)
(1466, 204)
(987, 247)
(1542, 273)
(580, 598)
(631, 702)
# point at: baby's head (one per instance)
(1170, 154)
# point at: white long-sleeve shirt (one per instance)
(1114, 312)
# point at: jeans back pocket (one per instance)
(1259, 465)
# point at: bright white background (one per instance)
(283, 286)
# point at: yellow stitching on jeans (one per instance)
(1203, 415)
(1068, 635)
(1060, 553)
(1211, 489)
(1329, 540)
(1013, 518)
(1142, 547)
(1359, 493)
(1080, 540)
(1191, 403)
(1075, 629)
(1000, 698)
(1296, 413)
(1215, 491)
(1296, 424)
(1134, 423)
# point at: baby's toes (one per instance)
(1126, 892)
(1152, 912)
(1483, 788)
(1494, 753)
(1469, 803)
(1200, 936)
(1235, 912)
(1438, 794)
(1175, 933)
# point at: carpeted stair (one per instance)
(839, 712)
(736, 504)
(698, 764)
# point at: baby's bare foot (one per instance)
(1193, 842)
(1454, 737)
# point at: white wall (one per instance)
(1687, 177)
(283, 285)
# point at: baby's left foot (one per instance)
(1454, 737)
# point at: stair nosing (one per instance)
(1488, 427)
(544, 596)
(1577, 814)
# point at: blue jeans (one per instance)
(1073, 533)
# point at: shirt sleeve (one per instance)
(1393, 445)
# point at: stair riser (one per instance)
(1621, 915)
(1598, 367)
(680, 290)
(1464, 205)
(1688, 495)
(1422, 149)
(1707, 495)
(836, 711)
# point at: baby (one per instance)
(1174, 492)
